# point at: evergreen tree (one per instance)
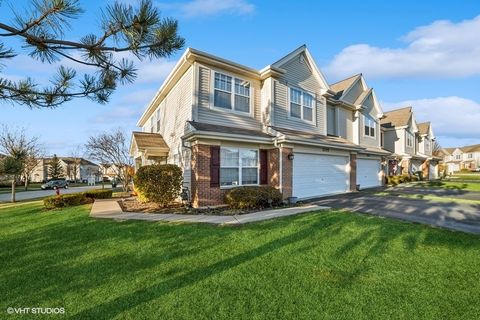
(55, 169)
(139, 31)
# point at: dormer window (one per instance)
(231, 93)
(301, 105)
(369, 126)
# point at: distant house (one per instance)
(467, 157)
(78, 169)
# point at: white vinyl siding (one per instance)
(299, 75)
(207, 113)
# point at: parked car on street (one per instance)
(54, 184)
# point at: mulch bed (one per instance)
(133, 205)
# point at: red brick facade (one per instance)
(205, 195)
(202, 194)
(287, 168)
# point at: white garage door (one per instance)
(433, 172)
(317, 175)
(369, 173)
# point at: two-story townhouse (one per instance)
(452, 159)
(229, 125)
(411, 144)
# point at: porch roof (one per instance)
(151, 144)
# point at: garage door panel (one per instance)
(316, 175)
(368, 173)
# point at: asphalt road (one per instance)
(451, 214)
(25, 195)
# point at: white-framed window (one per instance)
(231, 93)
(301, 105)
(427, 145)
(458, 157)
(409, 139)
(238, 166)
(368, 125)
(470, 155)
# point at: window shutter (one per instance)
(263, 167)
(214, 166)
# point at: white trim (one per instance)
(211, 102)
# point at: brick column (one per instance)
(273, 168)
(287, 168)
(202, 194)
(353, 172)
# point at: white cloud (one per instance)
(455, 120)
(196, 8)
(443, 48)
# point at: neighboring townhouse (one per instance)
(73, 168)
(228, 125)
(411, 144)
(467, 158)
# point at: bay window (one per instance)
(301, 105)
(231, 93)
(238, 166)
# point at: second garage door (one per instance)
(369, 173)
(317, 175)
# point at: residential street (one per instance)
(5, 197)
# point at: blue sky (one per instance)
(423, 53)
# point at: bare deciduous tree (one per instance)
(73, 166)
(124, 29)
(31, 163)
(17, 146)
(112, 148)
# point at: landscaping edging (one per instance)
(110, 209)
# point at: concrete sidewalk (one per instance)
(110, 209)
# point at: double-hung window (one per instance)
(470, 156)
(231, 93)
(409, 139)
(427, 145)
(369, 126)
(301, 105)
(238, 166)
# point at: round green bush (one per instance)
(159, 183)
(253, 197)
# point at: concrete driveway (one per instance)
(447, 214)
(25, 195)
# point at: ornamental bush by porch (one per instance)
(253, 197)
(159, 183)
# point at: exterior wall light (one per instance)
(291, 156)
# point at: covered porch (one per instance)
(147, 148)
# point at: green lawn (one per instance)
(325, 265)
(467, 186)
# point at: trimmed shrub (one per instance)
(253, 197)
(99, 194)
(159, 183)
(65, 200)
